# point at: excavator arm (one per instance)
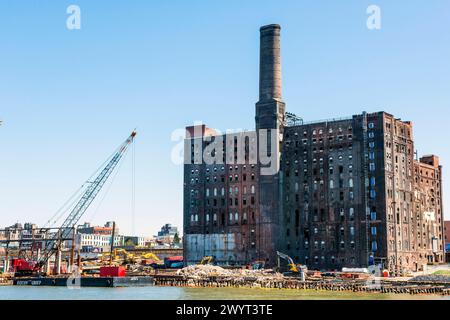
(291, 264)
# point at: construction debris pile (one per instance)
(214, 276)
(202, 272)
(5, 280)
(432, 279)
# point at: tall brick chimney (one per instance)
(270, 107)
(270, 63)
(270, 115)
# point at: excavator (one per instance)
(207, 260)
(119, 255)
(294, 269)
(152, 260)
(150, 256)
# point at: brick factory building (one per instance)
(447, 240)
(447, 232)
(337, 193)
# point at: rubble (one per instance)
(432, 278)
(200, 272)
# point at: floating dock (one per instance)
(105, 282)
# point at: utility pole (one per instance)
(6, 264)
(79, 258)
(112, 243)
(72, 252)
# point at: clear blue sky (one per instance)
(68, 98)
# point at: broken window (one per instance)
(374, 246)
(374, 231)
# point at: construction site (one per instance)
(350, 206)
(50, 256)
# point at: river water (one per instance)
(182, 293)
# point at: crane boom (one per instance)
(83, 204)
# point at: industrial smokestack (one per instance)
(270, 63)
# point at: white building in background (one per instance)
(99, 242)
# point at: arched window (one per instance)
(350, 183)
(253, 189)
(331, 183)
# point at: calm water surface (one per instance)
(177, 293)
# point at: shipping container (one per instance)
(107, 271)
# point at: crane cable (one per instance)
(77, 195)
(108, 188)
(133, 189)
(64, 208)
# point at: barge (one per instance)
(105, 282)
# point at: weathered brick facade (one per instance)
(221, 208)
(348, 192)
(353, 195)
(447, 232)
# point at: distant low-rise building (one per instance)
(133, 241)
(168, 235)
(107, 229)
(97, 242)
(12, 233)
(98, 239)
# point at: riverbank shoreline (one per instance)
(382, 287)
(373, 285)
(196, 293)
(369, 286)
